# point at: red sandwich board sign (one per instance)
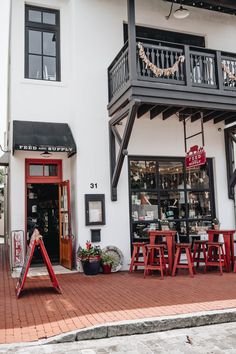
(195, 157)
(36, 240)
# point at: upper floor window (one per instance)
(42, 43)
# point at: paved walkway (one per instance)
(86, 301)
(196, 340)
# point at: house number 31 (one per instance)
(93, 185)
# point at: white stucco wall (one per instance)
(91, 36)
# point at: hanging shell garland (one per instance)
(228, 72)
(158, 71)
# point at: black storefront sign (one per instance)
(43, 136)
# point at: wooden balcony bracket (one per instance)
(117, 157)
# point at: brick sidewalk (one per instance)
(86, 301)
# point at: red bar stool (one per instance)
(136, 255)
(198, 248)
(189, 265)
(216, 256)
(155, 259)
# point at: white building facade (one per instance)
(60, 51)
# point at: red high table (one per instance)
(228, 236)
(170, 240)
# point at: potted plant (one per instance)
(90, 257)
(216, 224)
(107, 262)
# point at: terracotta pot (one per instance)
(106, 268)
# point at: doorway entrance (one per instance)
(48, 209)
(43, 213)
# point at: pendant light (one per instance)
(46, 154)
(181, 12)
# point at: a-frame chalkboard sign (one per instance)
(36, 240)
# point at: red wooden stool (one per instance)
(135, 261)
(198, 248)
(215, 256)
(155, 259)
(189, 265)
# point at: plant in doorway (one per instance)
(107, 262)
(90, 257)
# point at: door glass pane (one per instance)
(35, 67)
(198, 177)
(50, 170)
(49, 68)
(36, 170)
(199, 204)
(171, 175)
(172, 205)
(143, 174)
(49, 18)
(144, 206)
(34, 16)
(35, 42)
(49, 43)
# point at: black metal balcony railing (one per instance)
(202, 67)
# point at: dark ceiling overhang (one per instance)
(224, 6)
(42, 136)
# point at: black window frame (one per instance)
(42, 27)
(158, 159)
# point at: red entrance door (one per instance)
(45, 172)
(65, 225)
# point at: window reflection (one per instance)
(171, 175)
(143, 174)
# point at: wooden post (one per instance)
(132, 39)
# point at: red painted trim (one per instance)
(43, 179)
(39, 179)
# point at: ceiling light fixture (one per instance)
(46, 154)
(181, 12)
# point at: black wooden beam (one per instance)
(195, 116)
(230, 120)
(225, 116)
(170, 111)
(156, 111)
(144, 109)
(232, 182)
(116, 134)
(186, 113)
(120, 115)
(229, 151)
(132, 38)
(116, 164)
(212, 115)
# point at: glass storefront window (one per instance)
(198, 178)
(162, 189)
(172, 205)
(171, 175)
(143, 174)
(199, 204)
(144, 206)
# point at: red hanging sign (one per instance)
(36, 240)
(195, 157)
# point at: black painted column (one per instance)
(132, 39)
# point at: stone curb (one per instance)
(142, 326)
